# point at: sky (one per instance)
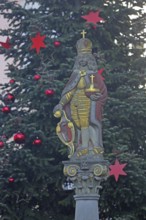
(3, 78)
(3, 63)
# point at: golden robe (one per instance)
(80, 105)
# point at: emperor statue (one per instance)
(81, 105)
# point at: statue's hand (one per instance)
(57, 111)
(95, 97)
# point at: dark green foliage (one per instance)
(36, 192)
(127, 196)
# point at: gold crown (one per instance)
(84, 45)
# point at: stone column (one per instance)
(86, 176)
(86, 207)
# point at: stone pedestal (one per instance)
(86, 176)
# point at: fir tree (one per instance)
(31, 174)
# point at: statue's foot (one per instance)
(82, 151)
(98, 150)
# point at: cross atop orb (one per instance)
(83, 33)
(92, 78)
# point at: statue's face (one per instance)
(83, 62)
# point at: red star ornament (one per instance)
(6, 44)
(117, 170)
(93, 17)
(38, 42)
(100, 71)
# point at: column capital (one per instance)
(86, 176)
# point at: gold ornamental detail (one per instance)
(92, 88)
(70, 170)
(100, 170)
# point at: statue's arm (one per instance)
(65, 99)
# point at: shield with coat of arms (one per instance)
(66, 133)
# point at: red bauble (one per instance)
(19, 138)
(37, 77)
(9, 98)
(57, 43)
(1, 144)
(11, 180)
(37, 142)
(12, 81)
(6, 109)
(49, 92)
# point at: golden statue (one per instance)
(81, 105)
